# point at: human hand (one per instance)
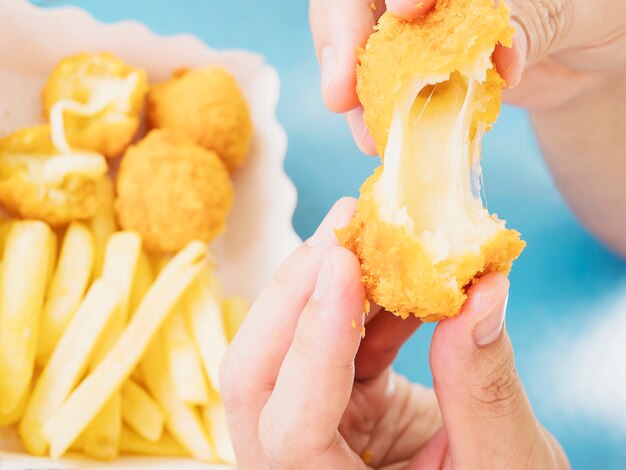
(302, 389)
(561, 48)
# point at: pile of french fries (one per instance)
(106, 350)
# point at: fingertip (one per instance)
(511, 61)
(345, 292)
(338, 80)
(485, 305)
(409, 9)
(362, 137)
(338, 217)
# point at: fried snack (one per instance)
(141, 413)
(172, 191)
(95, 102)
(234, 311)
(204, 316)
(23, 280)
(38, 181)
(429, 90)
(183, 358)
(102, 436)
(67, 287)
(207, 105)
(67, 363)
(214, 417)
(103, 223)
(181, 420)
(91, 395)
(133, 444)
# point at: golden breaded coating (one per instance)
(39, 182)
(208, 106)
(457, 35)
(98, 99)
(172, 191)
(430, 91)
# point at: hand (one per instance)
(302, 389)
(561, 48)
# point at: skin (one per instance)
(567, 67)
(303, 390)
(301, 387)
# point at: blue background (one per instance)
(561, 277)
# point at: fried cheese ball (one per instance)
(172, 191)
(429, 91)
(37, 181)
(208, 106)
(98, 100)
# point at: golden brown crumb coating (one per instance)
(429, 91)
(38, 182)
(111, 95)
(400, 275)
(451, 37)
(172, 191)
(207, 105)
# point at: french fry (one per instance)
(141, 413)
(14, 416)
(204, 316)
(91, 395)
(234, 311)
(22, 289)
(133, 444)
(68, 362)
(181, 420)
(186, 369)
(67, 287)
(214, 417)
(103, 223)
(54, 251)
(102, 436)
(143, 280)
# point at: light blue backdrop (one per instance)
(562, 287)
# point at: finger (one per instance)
(300, 421)
(433, 454)
(384, 336)
(361, 135)
(409, 9)
(483, 403)
(339, 29)
(510, 61)
(551, 26)
(253, 360)
(564, 84)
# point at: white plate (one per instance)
(259, 232)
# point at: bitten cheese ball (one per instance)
(37, 181)
(429, 91)
(172, 191)
(208, 106)
(98, 100)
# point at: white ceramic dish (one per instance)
(259, 232)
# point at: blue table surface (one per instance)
(567, 305)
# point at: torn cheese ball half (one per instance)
(39, 181)
(97, 100)
(429, 90)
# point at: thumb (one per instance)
(482, 401)
(580, 34)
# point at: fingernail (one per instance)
(328, 65)
(489, 329)
(520, 46)
(359, 130)
(324, 278)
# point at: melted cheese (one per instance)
(430, 182)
